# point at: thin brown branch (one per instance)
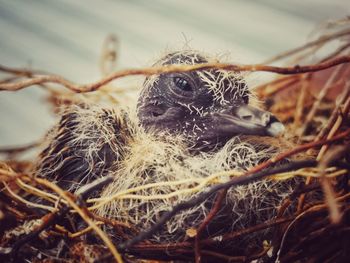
(301, 215)
(109, 55)
(321, 95)
(208, 241)
(225, 258)
(83, 215)
(296, 150)
(253, 174)
(299, 111)
(9, 79)
(18, 149)
(47, 221)
(21, 71)
(337, 52)
(330, 197)
(249, 230)
(335, 127)
(277, 85)
(297, 69)
(336, 112)
(215, 209)
(320, 41)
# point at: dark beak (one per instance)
(245, 119)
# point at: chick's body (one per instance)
(188, 129)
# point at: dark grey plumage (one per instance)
(86, 144)
(188, 129)
(207, 107)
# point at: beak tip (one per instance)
(275, 129)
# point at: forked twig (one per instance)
(253, 174)
(297, 69)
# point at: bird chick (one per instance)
(207, 107)
(188, 128)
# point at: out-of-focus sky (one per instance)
(65, 37)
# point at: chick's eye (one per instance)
(182, 84)
(246, 99)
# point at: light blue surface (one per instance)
(65, 37)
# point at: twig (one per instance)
(200, 184)
(21, 72)
(225, 258)
(9, 79)
(335, 127)
(247, 231)
(319, 41)
(336, 52)
(109, 54)
(241, 180)
(48, 221)
(87, 189)
(301, 100)
(215, 209)
(319, 99)
(301, 215)
(330, 198)
(83, 215)
(266, 90)
(253, 174)
(330, 135)
(26, 202)
(335, 114)
(18, 149)
(171, 69)
(76, 234)
(174, 247)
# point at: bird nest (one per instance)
(308, 222)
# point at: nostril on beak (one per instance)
(253, 115)
(265, 118)
(247, 117)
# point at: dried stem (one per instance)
(336, 112)
(18, 149)
(21, 72)
(320, 41)
(170, 69)
(48, 220)
(266, 90)
(225, 258)
(83, 215)
(330, 198)
(301, 100)
(337, 52)
(253, 174)
(215, 209)
(109, 55)
(211, 240)
(249, 230)
(312, 209)
(320, 98)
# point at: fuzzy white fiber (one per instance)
(154, 172)
(165, 165)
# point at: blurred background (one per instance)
(66, 38)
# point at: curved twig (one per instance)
(254, 174)
(297, 69)
(215, 209)
(320, 41)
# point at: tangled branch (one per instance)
(297, 69)
(254, 174)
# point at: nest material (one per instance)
(314, 228)
(166, 175)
